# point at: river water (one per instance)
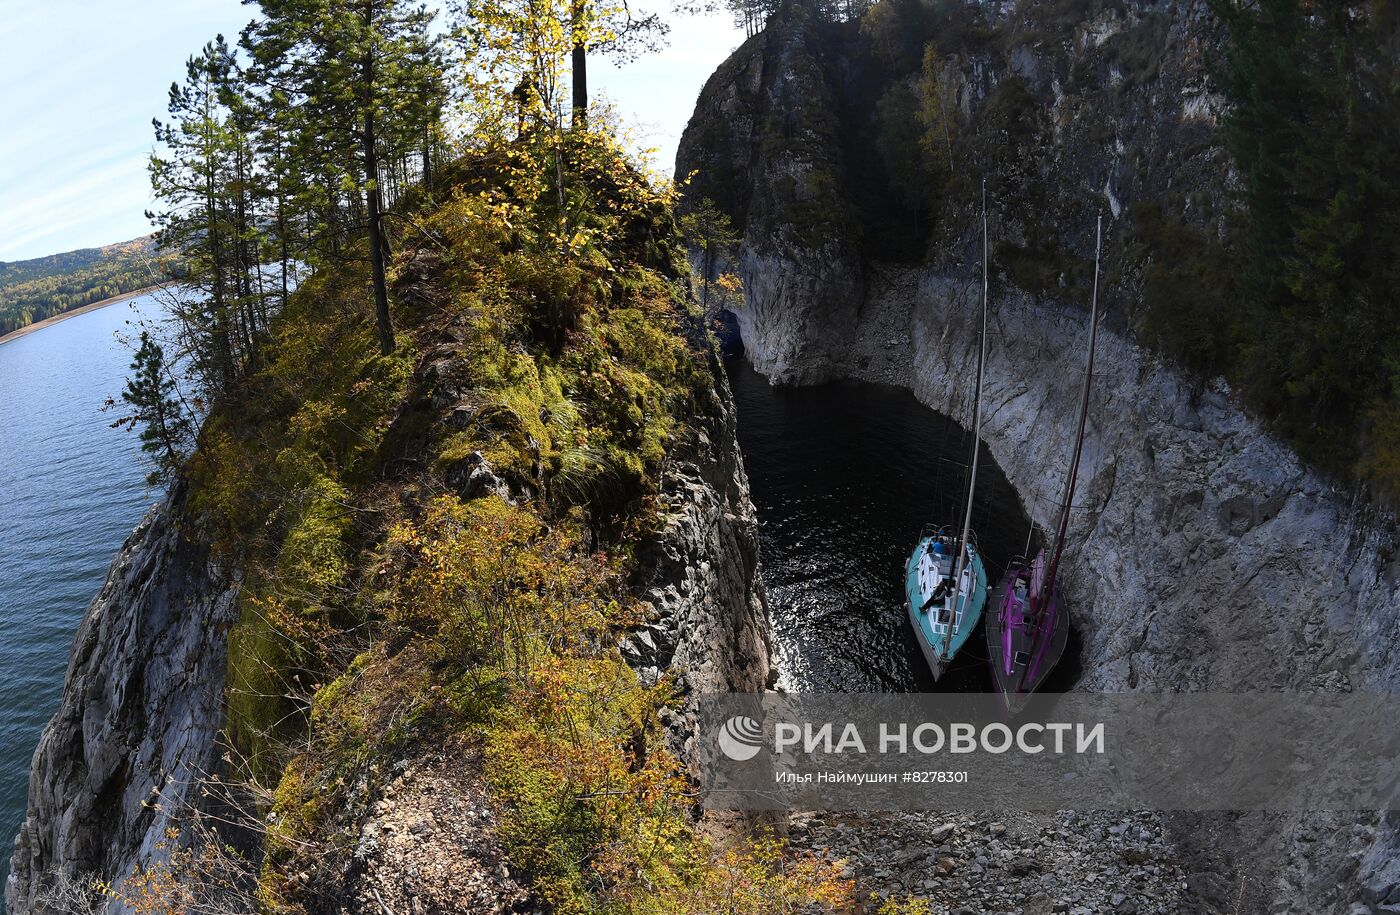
(844, 477)
(71, 489)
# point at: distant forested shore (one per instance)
(33, 290)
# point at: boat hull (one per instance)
(930, 563)
(1026, 635)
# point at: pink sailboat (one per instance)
(1027, 629)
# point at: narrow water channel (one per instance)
(844, 477)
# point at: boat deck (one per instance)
(930, 565)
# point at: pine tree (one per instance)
(1315, 129)
(609, 27)
(708, 228)
(198, 181)
(167, 426)
(358, 83)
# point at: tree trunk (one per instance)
(282, 238)
(218, 297)
(708, 260)
(378, 245)
(580, 66)
(427, 159)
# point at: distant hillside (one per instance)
(36, 289)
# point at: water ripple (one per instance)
(72, 489)
(844, 476)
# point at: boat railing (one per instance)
(943, 530)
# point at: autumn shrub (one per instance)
(389, 606)
(591, 799)
(194, 872)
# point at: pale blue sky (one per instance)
(82, 79)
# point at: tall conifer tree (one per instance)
(358, 81)
(195, 179)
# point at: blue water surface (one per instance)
(71, 489)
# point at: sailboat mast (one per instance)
(976, 423)
(1063, 529)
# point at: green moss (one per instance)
(260, 715)
(457, 448)
(313, 558)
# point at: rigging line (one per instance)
(976, 436)
(1083, 414)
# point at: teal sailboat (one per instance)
(945, 580)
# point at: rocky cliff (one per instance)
(142, 710)
(430, 842)
(136, 728)
(1203, 554)
(710, 624)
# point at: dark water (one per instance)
(71, 489)
(845, 476)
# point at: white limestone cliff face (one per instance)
(1204, 555)
(1212, 557)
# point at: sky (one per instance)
(82, 79)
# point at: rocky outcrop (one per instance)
(1204, 555)
(709, 623)
(1035, 864)
(142, 710)
(135, 731)
(428, 844)
(427, 840)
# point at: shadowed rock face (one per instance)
(1203, 554)
(137, 723)
(701, 573)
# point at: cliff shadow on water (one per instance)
(844, 476)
